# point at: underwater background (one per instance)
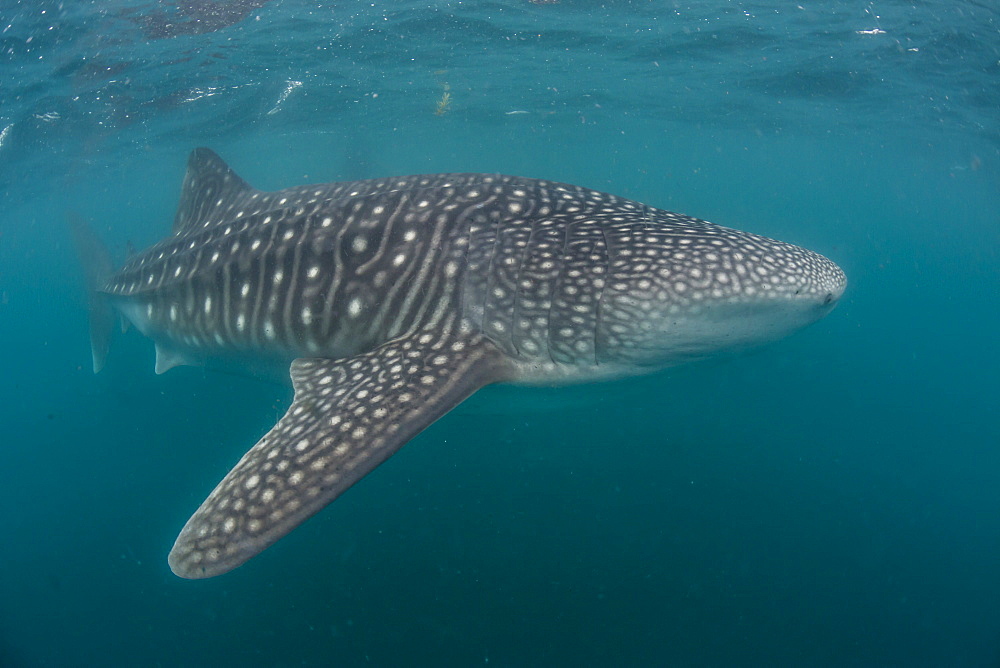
(832, 499)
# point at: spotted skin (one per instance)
(392, 300)
(348, 416)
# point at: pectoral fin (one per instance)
(347, 417)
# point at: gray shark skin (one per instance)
(392, 300)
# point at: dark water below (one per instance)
(830, 500)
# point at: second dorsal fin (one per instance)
(210, 189)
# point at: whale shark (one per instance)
(388, 301)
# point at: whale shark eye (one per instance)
(829, 298)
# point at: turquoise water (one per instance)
(829, 500)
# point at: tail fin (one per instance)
(97, 267)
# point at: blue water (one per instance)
(831, 500)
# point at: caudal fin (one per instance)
(97, 267)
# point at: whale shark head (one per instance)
(688, 292)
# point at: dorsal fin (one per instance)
(210, 189)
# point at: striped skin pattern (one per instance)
(392, 300)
